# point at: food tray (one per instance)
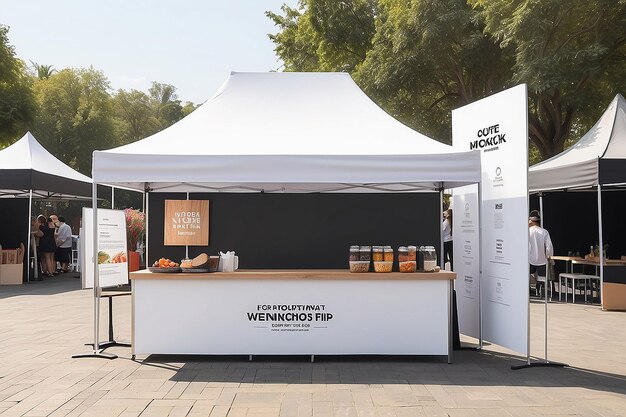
(170, 270)
(198, 270)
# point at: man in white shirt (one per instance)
(64, 243)
(540, 248)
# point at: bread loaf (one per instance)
(200, 261)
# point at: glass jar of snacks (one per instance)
(355, 253)
(388, 254)
(365, 253)
(377, 254)
(412, 253)
(403, 254)
(430, 258)
(359, 266)
(408, 266)
(383, 266)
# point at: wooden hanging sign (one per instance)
(186, 223)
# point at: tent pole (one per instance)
(601, 249)
(545, 290)
(30, 236)
(145, 254)
(187, 246)
(97, 352)
(112, 198)
(480, 266)
(442, 262)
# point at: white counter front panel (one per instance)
(247, 316)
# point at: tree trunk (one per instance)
(549, 123)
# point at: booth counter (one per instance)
(292, 312)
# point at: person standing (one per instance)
(63, 237)
(540, 248)
(447, 238)
(47, 246)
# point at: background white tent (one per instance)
(598, 159)
(28, 170)
(26, 165)
(287, 132)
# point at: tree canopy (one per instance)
(73, 111)
(17, 105)
(423, 58)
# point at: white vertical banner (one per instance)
(498, 126)
(112, 250)
(466, 245)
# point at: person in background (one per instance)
(47, 246)
(63, 238)
(447, 238)
(36, 233)
(540, 248)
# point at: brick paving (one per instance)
(43, 324)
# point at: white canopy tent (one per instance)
(285, 132)
(598, 159)
(26, 165)
(28, 170)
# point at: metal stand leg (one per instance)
(111, 341)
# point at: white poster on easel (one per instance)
(465, 233)
(498, 126)
(112, 251)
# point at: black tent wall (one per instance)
(302, 230)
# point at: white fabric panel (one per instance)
(584, 174)
(289, 173)
(617, 144)
(287, 132)
(578, 165)
(27, 153)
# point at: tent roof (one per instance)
(27, 165)
(294, 132)
(598, 157)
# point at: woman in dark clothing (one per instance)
(47, 247)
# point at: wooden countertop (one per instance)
(297, 274)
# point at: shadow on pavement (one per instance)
(61, 283)
(471, 368)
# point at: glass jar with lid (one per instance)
(403, 254)
(355, 253)
(430, 258)
(365, 253)
(412, 252)
(377, 254)
(388, 253)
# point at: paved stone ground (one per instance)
(43, 324)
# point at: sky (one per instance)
(191, 44)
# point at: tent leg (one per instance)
(601, 249)
(28, 241)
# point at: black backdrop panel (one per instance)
(302, 230)
(572, 220)
(14, 215)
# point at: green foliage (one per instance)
(17, 105)
(134, 116)
(74, 116)
(43, 71)
(429, 57)
(324, 35)
(571, 55)
(424, 58)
